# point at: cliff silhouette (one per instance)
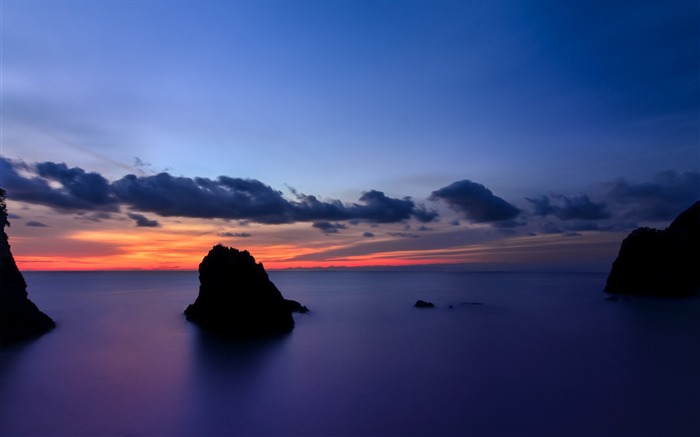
(660, 262)
(20, 319)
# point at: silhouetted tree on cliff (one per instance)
(3, 209)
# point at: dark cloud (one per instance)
(541, 205)
(508, 224)
(575, 226)
(476, 202)
(143, 221)
(34, 224)
(382, 209)
(368, 235)
(374, 206)
(94, 217)
(569, 208)
(90, 195)
(225, 197)
(624, 204)
(249, 199)
(424, 215)
(666, 196)
(79, 190)
(309, 208)
(403, 234)
(235, 234)
(328, 227)
(91, 188)
(63, 188)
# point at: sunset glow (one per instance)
(453, 134)
(157, 249)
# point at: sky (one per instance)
(480, 135)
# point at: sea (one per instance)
(500, 354)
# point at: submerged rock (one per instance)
(237, 299)
(423, 304)
(660, 262)
(20, 318)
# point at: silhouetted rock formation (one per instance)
(20, 319)
(661, 263)
(237, 299)
(295, 306)
(423, 304)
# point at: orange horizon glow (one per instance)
(180, 244)
(171, 253)
(174, 254)
(38, 263)
(185, 243)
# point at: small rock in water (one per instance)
(295, 306)
(423, 304)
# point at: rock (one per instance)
(660, 263)
(295, 306)
(423, 304)
(237, 299)
(20, 319)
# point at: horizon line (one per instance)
(437, 268)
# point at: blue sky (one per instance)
(559, 102)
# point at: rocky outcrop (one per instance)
(295, 306)
(237, 299)
(660, 263)
(20, 319)
(423, 304)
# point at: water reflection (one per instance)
(231, 384)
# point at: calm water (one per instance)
(543, 355)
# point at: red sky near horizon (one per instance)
(182, 244)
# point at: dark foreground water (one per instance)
(543, 355)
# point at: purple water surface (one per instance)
(542, 355)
